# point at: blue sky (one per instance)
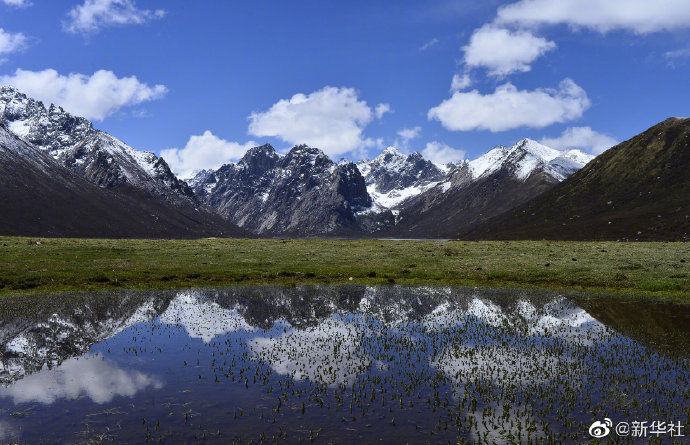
(582, 73)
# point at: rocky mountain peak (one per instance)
(300, 193)
(390, 153)
(415, 155)
(351, 185)
(265, 150)
(303, 155)
(536, 149)
(393, 170)
(47, 128)
(260, 159)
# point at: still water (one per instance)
(339, 364)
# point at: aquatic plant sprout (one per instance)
(335, 364)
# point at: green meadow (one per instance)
(41, 265)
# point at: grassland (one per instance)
(40, 265)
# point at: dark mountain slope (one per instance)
(637, 190)
(475, 191)
(438, 215)
(40, 197)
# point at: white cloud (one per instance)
(331, 119)
(502, 51)
(409, 133)
(94, 97)
(89, 376)
(382, 109)
(11, 42)
(429, 44)
(639, 16)
(94, 15)
(582, 138)
(17, 3)
(460, 82)
(441, 153)
(507, 108)
(202, 152)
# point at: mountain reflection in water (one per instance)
(331, 364)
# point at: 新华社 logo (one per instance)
(601, 429)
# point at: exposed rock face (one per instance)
(302, 193)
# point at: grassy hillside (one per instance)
(637, 190)
(45, 265)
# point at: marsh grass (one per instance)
(40, 265)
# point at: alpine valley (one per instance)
(59, 176)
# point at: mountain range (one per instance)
(59, 176)
(304, 193)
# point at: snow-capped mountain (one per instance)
(75, 143)
(528, 156)
(476, 190)
(301, 193)
(198, 176)
(393, 177)
(61, 177)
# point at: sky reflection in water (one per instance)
(339, 363)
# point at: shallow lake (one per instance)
(341, 364)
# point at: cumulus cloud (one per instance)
(331, 119)
(639, 16)
(441, 153)
(507, 108)
(90, 376)
(382, 109)
(460, 82)
(202, 152)
(94, 15)
(409, 133)
(11, 42)
(582, 138)
(502, 51)
(17, 3)
(93, 97)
